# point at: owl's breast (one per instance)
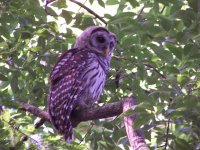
(94, 78)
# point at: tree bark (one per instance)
(135, 137)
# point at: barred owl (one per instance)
(78, 77)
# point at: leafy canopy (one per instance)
(157, 60)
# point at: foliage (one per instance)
(157, 60)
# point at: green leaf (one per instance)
(3, 45)
(67, 15)
(112, 2)
(101, 3)
(183, 144)
(3, 77)
(4, 32)
(164, 35)
(134, 3)
(78, 19)
(129, 112)
(161, 53)
(6, 115)
(51, 11)
(14, 83)
(177, 51)
(61, 4)
(91, 1)
(166, 23)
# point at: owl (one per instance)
(78, 77)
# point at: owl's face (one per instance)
(97, 39)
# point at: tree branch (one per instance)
(24, 137)
(81, 5)
(109, 110)
(156, 70)
(34, 110)
(90, 11)
(167, 134)
(135, 136)
(1, 109)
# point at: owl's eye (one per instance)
(100, 39)
(111, 45)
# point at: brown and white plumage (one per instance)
(78, 77)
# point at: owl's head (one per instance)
(97, 39)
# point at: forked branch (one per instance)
(109, 110)
(135, 136)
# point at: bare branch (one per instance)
(34, 110)
(45, 7)
(106, 111)
(162, 9)
(90, 11)
(156, 70)
(135, 136)
(81, 5)
(39, 123)
(167, 134)
(109, 110)
(198, 5)
(24, 137)
(1, 109)
(141, 11)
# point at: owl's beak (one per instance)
(106, 50)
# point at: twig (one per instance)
(1, 109)
(167, 133)
(39, 123)
(46, 4)
(90, 11)
(135, 137)
(160, 146)
(162, 9)
(86, 133)
(148, 65)
(156, 70)
(117, 79)
(198, 5)
(25, 136)
(140, 11)
(81, 5)
(118, 57)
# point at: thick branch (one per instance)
(135, 136)
(109, 110)
(34, 110)
(106, 111)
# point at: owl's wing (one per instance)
(65, 88)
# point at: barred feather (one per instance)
(77, 74)
(78, 78)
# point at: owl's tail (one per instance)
(61, 103)
(69, 134)
(60, 119)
